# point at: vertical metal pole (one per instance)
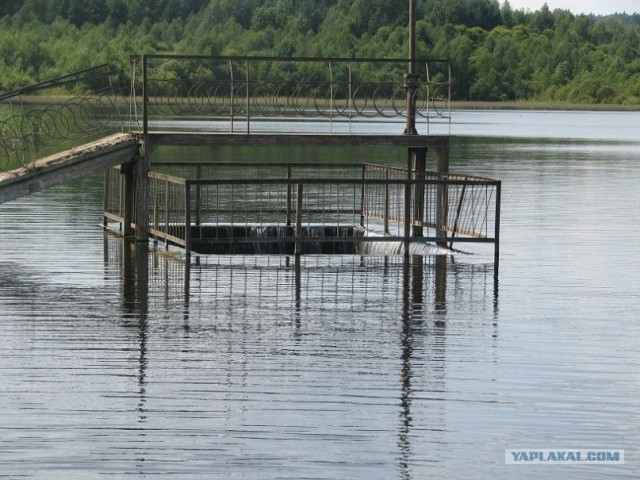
(129, 198)
(198, 196)
(363, 194)
(418, 159)
(410, 82)
(120, 199)
(350, 94)
(142, 200)
(187, 217)
(387, 201)
(298, 232)
(496, 235)
(105, 197)
(246, 64)
(142, 164)
(412, 37)
(289, 175)
(449, 98)
(407, 208)
(166, 214)
(155, 213)
(332, 98)
(231, 93)
(145, 97)
(442, 201)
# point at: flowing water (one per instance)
(337, 367)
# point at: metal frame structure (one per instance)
(257, 203)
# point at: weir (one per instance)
(260, 102)
(309, 208)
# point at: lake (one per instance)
(338, 367)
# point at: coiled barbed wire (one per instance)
(23, 136)
(323, 99)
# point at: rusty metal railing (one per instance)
(298, 204)
(253, 94)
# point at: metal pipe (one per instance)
(410, 80)
(412, 37)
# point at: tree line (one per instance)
(497, 53)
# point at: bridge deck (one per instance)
(293, 140)
(74, 163)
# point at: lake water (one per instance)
(338, 367)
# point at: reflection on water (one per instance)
(334, 361)
(282, 281)
(330, 367)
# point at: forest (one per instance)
(497, 53)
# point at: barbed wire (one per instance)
(308, 99)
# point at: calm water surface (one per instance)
(338, 367)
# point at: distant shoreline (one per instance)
(532, 105)
(455, 104)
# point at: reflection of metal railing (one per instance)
(236, 93)
(222, 204)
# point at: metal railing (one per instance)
(220, 203)
(249, 94)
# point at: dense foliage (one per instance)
(497, 53)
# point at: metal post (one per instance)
(418, 162)
(142, 164)
(298, 232)
(231, 92)
(411, 80)
(350, 95)
(167, 192)
(142, 200)
(387, 201)
(412, 36)
(289, 175)
(145, 97)
(496, 235)
(105, 197)
(129, 198)
(442, 201)
(198, 197)
(156, 226)
(187, 217)
(363, 192)
(407, 211)
(246, 63)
